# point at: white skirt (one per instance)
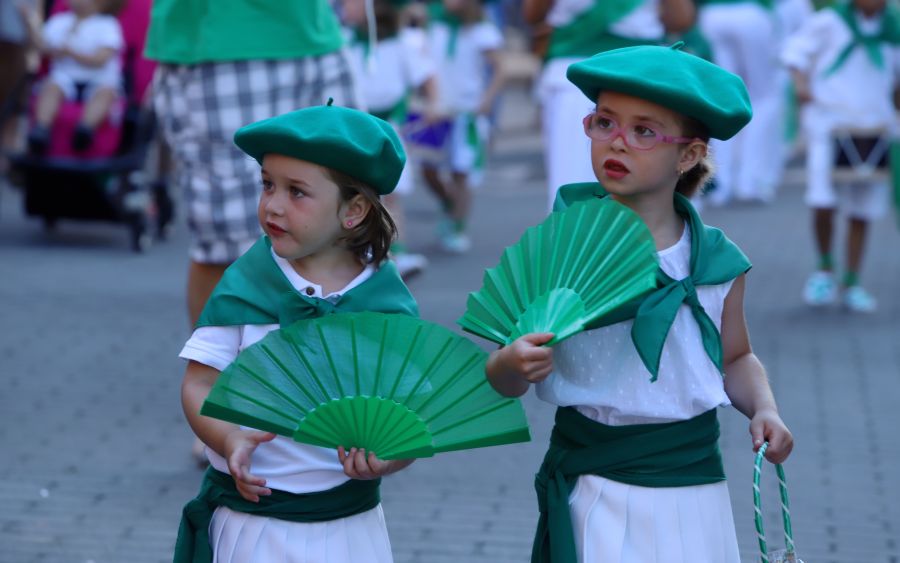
(237, 537)
(619, 523)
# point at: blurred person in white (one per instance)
(84, 44)
(743, 37)
(580, 29)
(465, 48)
(845, 64)
(390, 64)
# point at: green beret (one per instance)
(343, 139)
(671, 78)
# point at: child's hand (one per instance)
(359, 466)
(527, 357)
(239, 447)
(767, 426)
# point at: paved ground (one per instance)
(95, 466)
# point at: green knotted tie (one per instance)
(714, 260)
(888, 32)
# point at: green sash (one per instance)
(714, 260)
(588, 34)
(254, 291)
(218, 489)
(888, 32)
(674, 454)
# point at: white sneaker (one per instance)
(859, 300)
(820, 289)
(457, 243)
(409, 264)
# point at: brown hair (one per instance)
(370, 239)
(387, 19)
(111, 7)
(697, 177)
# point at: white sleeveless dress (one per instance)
(600, 373)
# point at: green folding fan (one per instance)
(571, 269)
(395, 385)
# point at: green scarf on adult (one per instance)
(254, 291)
(218, 489)
(888, 32)
(714, 260)
(673, 454)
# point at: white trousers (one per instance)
(743, 40)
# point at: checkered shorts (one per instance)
(201, 106)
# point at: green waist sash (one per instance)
(674, 454)
(218, 489)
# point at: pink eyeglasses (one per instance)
(640, 137)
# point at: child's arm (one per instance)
(95, 59)
(511, 369)
(802, 89)
(535, 11)
(498, 81)
(746, 382)
(227, 439)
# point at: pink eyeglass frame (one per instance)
(618, 131)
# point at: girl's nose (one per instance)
(273, 204)
(618, 141)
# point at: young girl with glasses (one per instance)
(633, 472)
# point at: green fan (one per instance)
(574, 267)
(395, 385)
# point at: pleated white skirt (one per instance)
(237, 537)
(619, 523)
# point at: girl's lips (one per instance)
(615, 169)
(275, 229)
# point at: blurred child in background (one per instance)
(390, 63)
(845, 63)
(84, 45)
(465, 47)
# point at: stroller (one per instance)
(106, 182)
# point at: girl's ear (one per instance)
(354, 211)
(693, 153)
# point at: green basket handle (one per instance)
(785, 507)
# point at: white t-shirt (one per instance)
(85, 37)
(461, 66)
(641, 23)
(396, 66)
(858, 94)
(284, 464)
(600, 372)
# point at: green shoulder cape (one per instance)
(254, 291)
(714, 260)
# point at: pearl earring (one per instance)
(349, 224)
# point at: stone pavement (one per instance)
(95, 466)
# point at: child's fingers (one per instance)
(361, 465)
(252, 492)
(757, 433)
(537, 338)
(261, 437)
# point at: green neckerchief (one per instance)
(218, 489)
(673, 454)
(888, 32)
(588, 33)
(714, 260)
(254, 291)
(396, 114)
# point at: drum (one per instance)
(861, 155)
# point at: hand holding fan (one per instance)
(571, 269)
(395, 385)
